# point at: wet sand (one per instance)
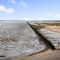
(47, 55)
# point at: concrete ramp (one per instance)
(18, 39)
(53, 37)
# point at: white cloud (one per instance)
(48, 16)
(23, 4)
(26, 19)
(33, 18)
(57, 15)
(51, 16)
(54, 15)
(37, 18)
(12, 1)
(6, 10)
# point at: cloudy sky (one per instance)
(29, 10)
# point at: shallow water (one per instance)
(18, 39)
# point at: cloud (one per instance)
(6, 10)
(23, 4)
(49, 16)
(57, 15)
(33, 18)
(26, 19)
(54, 15)
(12, 1)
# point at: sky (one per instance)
(30, 10)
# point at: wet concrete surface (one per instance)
(53, 37)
